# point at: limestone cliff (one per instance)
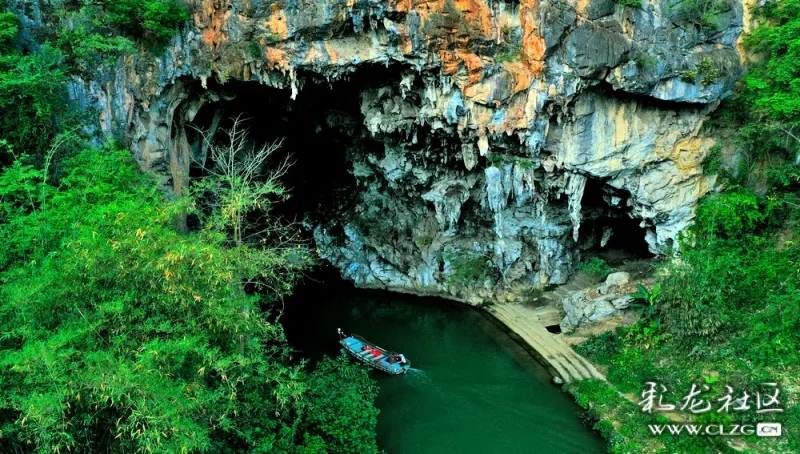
(502, 121)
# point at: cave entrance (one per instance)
(319, 128)
(608, 229)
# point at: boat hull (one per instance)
(353, 346)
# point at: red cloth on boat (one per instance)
(376, 352)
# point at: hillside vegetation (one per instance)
(120, 333)
(728, 310)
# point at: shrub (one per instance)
(100, 31)
(466, 267)
(645, 302)
(704, 14)
(600, 347)
(595, 268)
(707, 69)
(336, 388)
(689, 76)
(85, 49)
(154, 21)
(631, 3)
(644, 61)
(9, 27)
(32, 100)
(122, 334)
(732, 214)
(508, 53)
(784, 176)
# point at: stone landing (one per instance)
(551, 349)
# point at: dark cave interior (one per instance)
(628, 239)
(318, 129)
(324, 126)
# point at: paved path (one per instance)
(529, 324)
(579, 281)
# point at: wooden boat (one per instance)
(372, 355)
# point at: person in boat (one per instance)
(402, 359)
(365, 348)
(393, 358)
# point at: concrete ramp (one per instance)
(551, 348)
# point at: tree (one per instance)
(771, 90)
(124, 335)
(237, 184)
(235, 198)
(32, 94)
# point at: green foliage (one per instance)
(703, 14)
(732, 214)
(783, 176)
(86, 48)
(121, 334)
(771, 84)
(617, 419)
(338, 388)
(690, 76)
(154, 21)
(712, 164)
(595, 267)
(9, 27)
(91, 33)
(644, 61)
(645, 301)
(253, 49)
(509, 52)
(465, 268)
(707, 69)
(599, 348)
(498, 159)
(425, 240)
(630, 3)
(729, 307)
(32, 100)
(645, 334)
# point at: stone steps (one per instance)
(577, 282)
(551, 348)
(548, 315)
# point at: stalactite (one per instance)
(575, 185)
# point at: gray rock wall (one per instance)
(502, 119)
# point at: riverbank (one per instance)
(627, 354)
(505, 400)
(614, 414)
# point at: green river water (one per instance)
(472, 388)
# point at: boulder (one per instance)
(580, 308)
(623, 302)
(618, 279)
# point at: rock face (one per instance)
(511, 132)
(607, 300)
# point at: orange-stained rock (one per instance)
(217, 13)
(520, 75)
(278, 59)
(478, 16)
(533, 45)
(474, 66)
(276, 23)
(401, 6)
